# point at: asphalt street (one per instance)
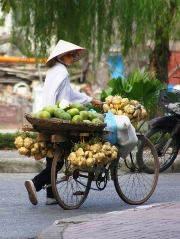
(103, 215)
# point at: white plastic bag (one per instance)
(126, 136)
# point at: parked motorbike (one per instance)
(165, 130)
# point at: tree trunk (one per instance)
(161, 55)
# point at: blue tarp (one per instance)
(170, 87)
(116, 66)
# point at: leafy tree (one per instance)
(96, 24)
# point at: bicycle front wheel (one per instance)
(132, 183)
(70, 187)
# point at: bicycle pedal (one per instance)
(78, 193)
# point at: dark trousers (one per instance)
(44, 178)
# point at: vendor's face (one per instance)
(68, 58)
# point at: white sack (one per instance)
(126, 136)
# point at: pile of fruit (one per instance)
(86, 154)
(123, 106)
(30, 147)
(75, 112)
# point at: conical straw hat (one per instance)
(63, 47)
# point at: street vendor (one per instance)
(56, 87)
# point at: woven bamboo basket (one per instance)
(43, 125)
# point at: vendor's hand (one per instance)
(97, 103)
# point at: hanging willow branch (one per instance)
(95, 24)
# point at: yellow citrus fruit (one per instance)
(77, 105)
(65, 116)
(77, 118)
(73, 112)
(87, 121)
(44, 114)
(91, 115)
(96, 121)
(50, 109)
(100, 116)
(84, 114)
(58, 111)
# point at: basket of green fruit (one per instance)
(66, 117)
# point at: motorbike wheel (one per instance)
(167, 148)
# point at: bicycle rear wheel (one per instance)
(132, 183)
(70, 187)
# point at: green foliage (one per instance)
(95, 140)
(142, 87)
(7, 140)
(24, 134)
(78, 145)
(96, 24)
(43, 20)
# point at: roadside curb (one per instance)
(12, 162)
(56, 230)
(18, 165)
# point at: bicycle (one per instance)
(71, 186)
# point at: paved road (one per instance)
(21, 220)
(103, 215)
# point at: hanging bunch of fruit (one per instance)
(75, 112)
(30, 147)
(123, 106)
(88, 154)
